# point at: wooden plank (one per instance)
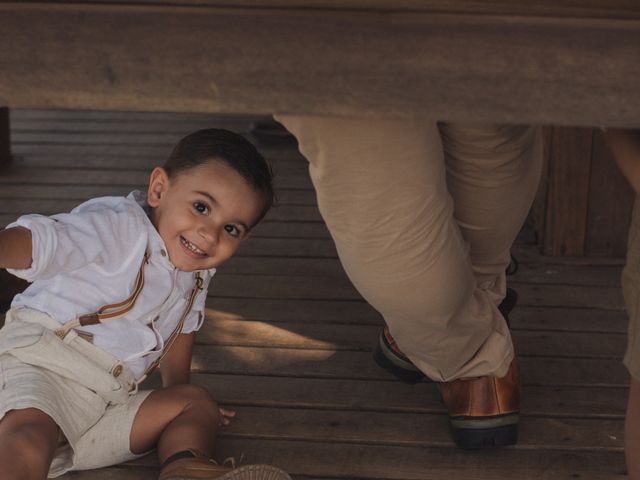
(568, 192)
(604, 298)
(128, 125)
(130, 159)
(319, 461)
(589, 8)
(290, 178)
(116, 149)
(610, 204)
(568, 319)
(331, 312)
(118, 473)
(296, 287)
(338, 364)
(113, 118)
(334, 459)
(376, 395)
(292, 213)
(37, 153)
(577, 276)
(525, 254)
(344, 312)
(541, 69)
(247, 333)
(5, 139)
(532, 318)
(41, 198)
(426, 430)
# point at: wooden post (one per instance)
(567, 192)
(5, 139)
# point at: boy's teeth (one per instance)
(192, 247)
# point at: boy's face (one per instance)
(203, 213)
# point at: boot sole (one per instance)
(392, 363)
(478, 432)
(247, 472)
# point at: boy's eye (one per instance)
(202, 208)
(232, 230)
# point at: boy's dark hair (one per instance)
(216, 144)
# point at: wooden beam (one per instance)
(568, 179)
(5, 139)
(624, 9)
(610, 204)
(322, 60)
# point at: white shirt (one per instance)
(90, 257)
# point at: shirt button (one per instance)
(117, 371)
(163, 253)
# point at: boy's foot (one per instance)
(388, 355)
(202, 467)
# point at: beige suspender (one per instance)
(109, 311)
(113, 310)
(177, 330)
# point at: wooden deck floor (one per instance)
(288, 340)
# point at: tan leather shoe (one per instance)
(484, 411)
(202, 467)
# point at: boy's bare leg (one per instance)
(175, 419)
(632, 432)
(28, 441)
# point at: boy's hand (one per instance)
(225, 417)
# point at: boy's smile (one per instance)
(202, 213)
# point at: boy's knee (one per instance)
(199, 399)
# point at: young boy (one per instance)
(119, 287)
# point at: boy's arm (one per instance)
(625, 146)
(15, 248)
(175, 367)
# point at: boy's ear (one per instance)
(158, 185)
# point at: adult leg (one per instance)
(493, 172)
(382, 191)
(28, 441)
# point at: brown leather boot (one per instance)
(484, 411)
(202, 467)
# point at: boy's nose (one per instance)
(210, 234)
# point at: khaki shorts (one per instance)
(96, 420)
(631, 290)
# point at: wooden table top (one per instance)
(552, 62)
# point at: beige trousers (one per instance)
(423, 217)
